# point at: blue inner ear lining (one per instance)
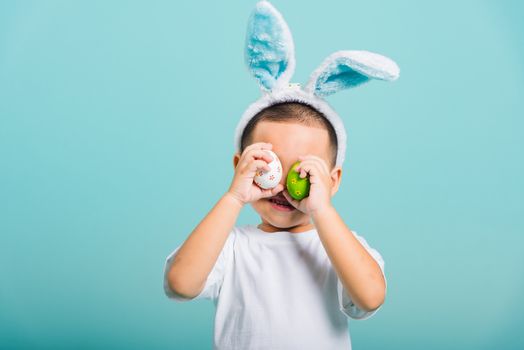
(275, 69)
(266, 48)
(268, 72)
(338, 78)
(347, 79)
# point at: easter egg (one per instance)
(297, 187)
(269, 179)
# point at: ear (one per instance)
(336, 178)
(347, 69)
(269, 48)
(236, 159)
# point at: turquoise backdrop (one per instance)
(116, 138)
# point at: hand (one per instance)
(320, 189)
(253, 158)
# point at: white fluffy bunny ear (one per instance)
(269, 49)
(347, 69)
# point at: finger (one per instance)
(270, 192)
(303, 173)
(255, 154)
(259, 154)
(258, 164)
(258, 145)
(251, 167)
(277, 189)
(323, 164)
(265, 193)
(317, 159)
(309, 167)
(302, 167)
(320, 165)
(290, 199)
(299, 167)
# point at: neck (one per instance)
(266, 227)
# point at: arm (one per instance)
(197, 256)
(358, 271)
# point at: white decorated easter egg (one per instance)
(269, 179)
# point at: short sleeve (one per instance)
(345, 303)
(214, 280)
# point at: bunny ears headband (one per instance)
(270, 57)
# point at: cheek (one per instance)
(258, 205)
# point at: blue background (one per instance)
(116, 138)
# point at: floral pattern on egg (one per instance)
(269, 179)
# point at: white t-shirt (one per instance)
(277, 291)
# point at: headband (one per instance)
(270, 58)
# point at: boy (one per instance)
(275, 285)
(292, 281)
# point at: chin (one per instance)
(281, 224)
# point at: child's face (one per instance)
(289, 141)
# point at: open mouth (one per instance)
(280, 203)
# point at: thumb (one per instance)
(291, 200)
(277, 189)
(272, 191)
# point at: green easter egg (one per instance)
(297, 187)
